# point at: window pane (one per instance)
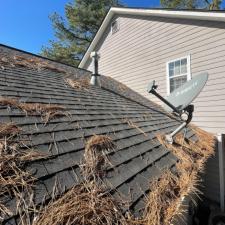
(171, 69)
(177, 68)
(184, 66)
(176, 82)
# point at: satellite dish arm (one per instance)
(186, 116)
(179, 101)
(152, 89)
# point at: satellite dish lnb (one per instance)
(179, 101)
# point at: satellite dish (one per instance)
(179, 102)
(184, 95)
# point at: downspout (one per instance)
(220, 138)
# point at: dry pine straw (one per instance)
(165, 199)
(46, 111)
(79, 84)
(32, 63)
(35, 63)
(95, 156)
(133, 125)
(13, 178)
(88, 203)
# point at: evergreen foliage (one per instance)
(75, 32)
(192, 4)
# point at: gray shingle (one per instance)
(137, 158)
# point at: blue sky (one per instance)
(24, 24)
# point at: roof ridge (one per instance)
(39, 56)
(170, 9)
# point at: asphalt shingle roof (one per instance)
(138, 157)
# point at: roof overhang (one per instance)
(197, 15)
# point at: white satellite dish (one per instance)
(179, 101)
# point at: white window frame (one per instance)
(188, 57)
(118, 28)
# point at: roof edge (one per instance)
(38, 56)
(168, 13)
(97, 37)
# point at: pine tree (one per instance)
(192, 4)
(75, 32)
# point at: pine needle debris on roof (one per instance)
(13, 157)
(165, 199)
(90, 202)
(78, 84)
(46, 111)
(86, 204)
(95, 157)
(31, 63)
(134, 125)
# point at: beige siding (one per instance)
(138, 53)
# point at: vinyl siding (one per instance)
(139, 51)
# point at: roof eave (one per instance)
(211, 16)
(97, 37)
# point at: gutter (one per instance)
(220, 138)
(196, 15)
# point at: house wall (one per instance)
(139, 51)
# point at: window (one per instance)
(115, 26)
(178, 72)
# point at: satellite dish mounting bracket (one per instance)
(184, 114)
(180, 100)
(186, 117)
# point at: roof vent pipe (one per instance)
(95, 77)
